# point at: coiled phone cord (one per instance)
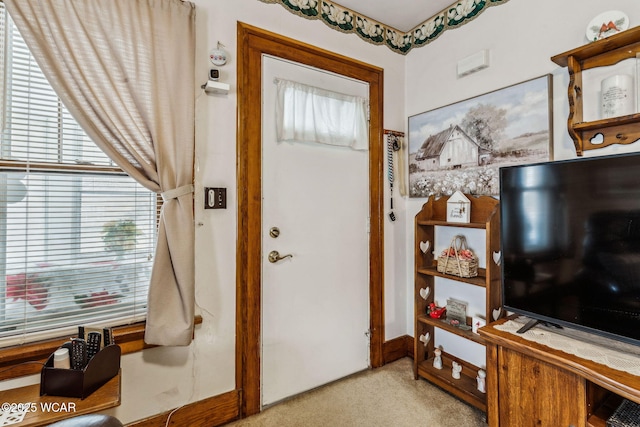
(392, 145)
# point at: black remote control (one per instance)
(67, 345)
(106, 336)
(78, 353)
(93, 344)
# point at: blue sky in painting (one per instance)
(527, 106)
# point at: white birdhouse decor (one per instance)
(458, 208)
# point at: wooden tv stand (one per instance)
(530, 384)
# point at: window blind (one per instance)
(76, 234)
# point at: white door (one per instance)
(315, 304)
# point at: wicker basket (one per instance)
(457, 265)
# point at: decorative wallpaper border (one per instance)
(348, 21)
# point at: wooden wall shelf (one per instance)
(599, 133)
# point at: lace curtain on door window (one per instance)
(310, 114)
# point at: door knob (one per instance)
(274, 256)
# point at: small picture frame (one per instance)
(458, 208)
(457, 311)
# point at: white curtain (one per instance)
(125, 70)
(310, 114)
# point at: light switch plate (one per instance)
(215, 198)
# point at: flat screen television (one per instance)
(570, 237)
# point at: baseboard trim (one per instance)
(397, 348)
(210, 412)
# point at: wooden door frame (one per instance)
(252, 44)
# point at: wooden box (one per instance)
(81, 382)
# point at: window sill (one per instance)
(27, 359)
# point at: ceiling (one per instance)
(403, 15)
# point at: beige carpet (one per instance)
(386, 397)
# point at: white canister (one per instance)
(61, 359)
(617, 96)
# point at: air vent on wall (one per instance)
(473, 63)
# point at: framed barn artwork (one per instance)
(461, 146)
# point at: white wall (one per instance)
(522, 36)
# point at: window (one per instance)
(76, 234)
